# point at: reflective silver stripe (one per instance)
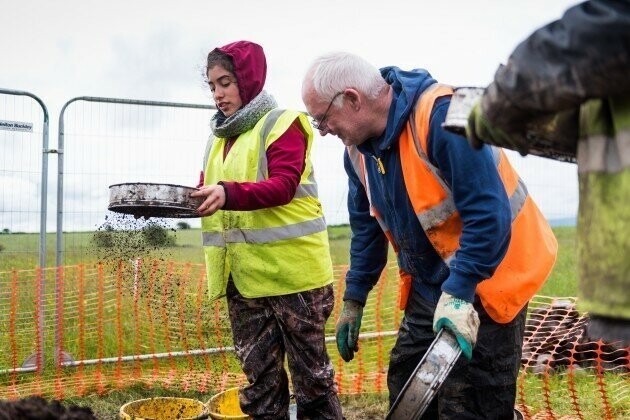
(441, 212)
(311, 177)
(355, 158)
(600, 153)
(306, 190)
(382, 224)
(358, 164)
(212, 239)
(437, 214)
(414, 133)
(517, 199)
(268, 124)
(271, 120)
(206, 154)
(496, 155)
(263, 170)
(261, 236)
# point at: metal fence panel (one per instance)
(108, 141)
(23, 213)
(23, 142)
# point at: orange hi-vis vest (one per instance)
(532, 251)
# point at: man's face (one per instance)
(330, 118)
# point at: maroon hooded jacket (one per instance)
(285, 157)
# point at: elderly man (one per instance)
(472, 246)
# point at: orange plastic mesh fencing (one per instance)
(564, 372)
(149, 322)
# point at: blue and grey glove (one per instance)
(348, 326)
(459, 317)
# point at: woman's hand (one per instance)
(214, 199)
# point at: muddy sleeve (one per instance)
(585, 54)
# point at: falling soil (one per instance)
(138, 251)
(125, 237)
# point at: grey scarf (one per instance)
(244, 119)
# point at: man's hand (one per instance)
(459, 317)
(214, 199)
(479, 131)
(348, 326)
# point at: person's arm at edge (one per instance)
(580, 56)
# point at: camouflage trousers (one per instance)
(264, 330)
(483, 388)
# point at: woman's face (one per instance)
(224, 90)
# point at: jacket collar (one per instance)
(407, 87)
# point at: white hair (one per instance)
(333, 72)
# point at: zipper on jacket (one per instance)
(379, 165)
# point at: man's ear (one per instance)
(353, 97)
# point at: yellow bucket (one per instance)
(225, 406)
(164, 408)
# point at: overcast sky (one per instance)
(155, 50)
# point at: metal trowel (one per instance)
(427, 378)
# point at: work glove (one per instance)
(479, 131)
(459, 317)
(348, 326)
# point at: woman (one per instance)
(265, 240)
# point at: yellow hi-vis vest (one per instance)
(532, 250)
(272, 251)
(603, 228)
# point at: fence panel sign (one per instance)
(16, 126)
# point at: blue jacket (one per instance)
(478, 193)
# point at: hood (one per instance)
(407, 87)
(250, 67)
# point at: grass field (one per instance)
(19, 251)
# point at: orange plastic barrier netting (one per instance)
(149, 322)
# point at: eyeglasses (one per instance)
(318, 124)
